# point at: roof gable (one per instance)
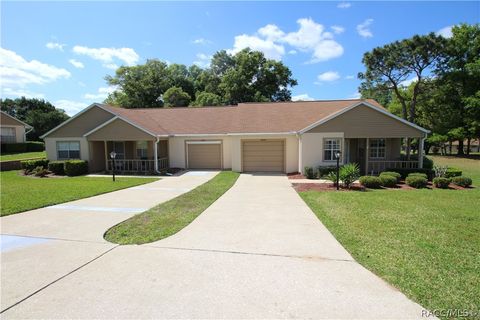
(6, 119)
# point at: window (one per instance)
(330, 147)
(119, 148)
(142, 149)
(68, 150)
(377, 148)
(8, 135)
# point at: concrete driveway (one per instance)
(258, 252)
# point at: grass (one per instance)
(22, 156)
(172, 216)
(424, 242)
(470, 167)
(21, 193)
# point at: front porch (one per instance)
(374, 155)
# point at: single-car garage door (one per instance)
(263, 155)
(204, 155)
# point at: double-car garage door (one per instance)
(204, 154)
(266, 155)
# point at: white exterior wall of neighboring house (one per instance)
(51, 147)
(312, 149)
(291, 150)
(18, 131)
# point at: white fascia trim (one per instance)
(75, 116)
(205, 142)
(262, 133)
(11, 117)
(336, 114)
(117, 117)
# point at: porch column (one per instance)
(155, 155)
(106, 155)
(367, 154)
(420, 152)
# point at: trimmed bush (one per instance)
(76, 167)
(388, 181)
(324, 171)
(40, 172)
(57, 167)
(371, 182)
(35, 146)
(396, 175)
(427, 163)
(453, 172)
(417, 182)
(417, 174)
(441, 182)
(310, 173)
(405, 172)
(462, 181)
(29, 165)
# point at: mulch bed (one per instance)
(50, 175)
(296, 175)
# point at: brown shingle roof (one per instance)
(245, 118)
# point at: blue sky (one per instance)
(61, 51)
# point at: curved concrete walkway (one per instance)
(258, 252)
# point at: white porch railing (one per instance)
(136, 165)
(377, 166)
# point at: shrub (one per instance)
(388, 181)
(310, 173)
(40, 172)
(371, 182)
(462, 181)
(427, 163)
(441, 182)
(349, 173)
(396, 175)
(416, 181)
(324, 171)
(453, 172)
(405, 172)
(332, 176)
(440, 171)
(35, 146)
(417, 174)
(76, 167)
(14, 147)
(57, 167)
(29, 165)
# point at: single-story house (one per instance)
(250, 137)
(12, 129)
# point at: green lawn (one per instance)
(469, 167)
(424, 242)
(21, 193)
(22, 156)
(172, 216)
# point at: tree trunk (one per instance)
(460, 148)
(450, 147)
(468, 145)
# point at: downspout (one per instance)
(25, 134)
(155, 156)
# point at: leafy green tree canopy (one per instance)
(207, 99)
(176, 97)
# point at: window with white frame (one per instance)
(142, 149)
(68, 150)
(8, 135)
(377, 148)
(330, 147)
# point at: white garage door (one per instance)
(204, 155)
(264, 155)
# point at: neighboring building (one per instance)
(264, 137)
(452, 147)
(12, 129)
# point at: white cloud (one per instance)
(18, 72)
(102, 93)
(355, 95)
(203, 60)
(328, 76)
(350, 77)
(201, 41)
(268, 47)
(76, 63)
(55, 46)
(292, 52)
(112, 66)
(338, 29)
(70, 107)
(9, 92)
(108, 55)
(364, 30)
(344, 5)
(408, 82)
(302, 97)
(310, 37)
(445, 32)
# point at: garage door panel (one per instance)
(204, 156)
(265, 155)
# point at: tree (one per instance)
(207, 99)
(40, 114)
(176, 97)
